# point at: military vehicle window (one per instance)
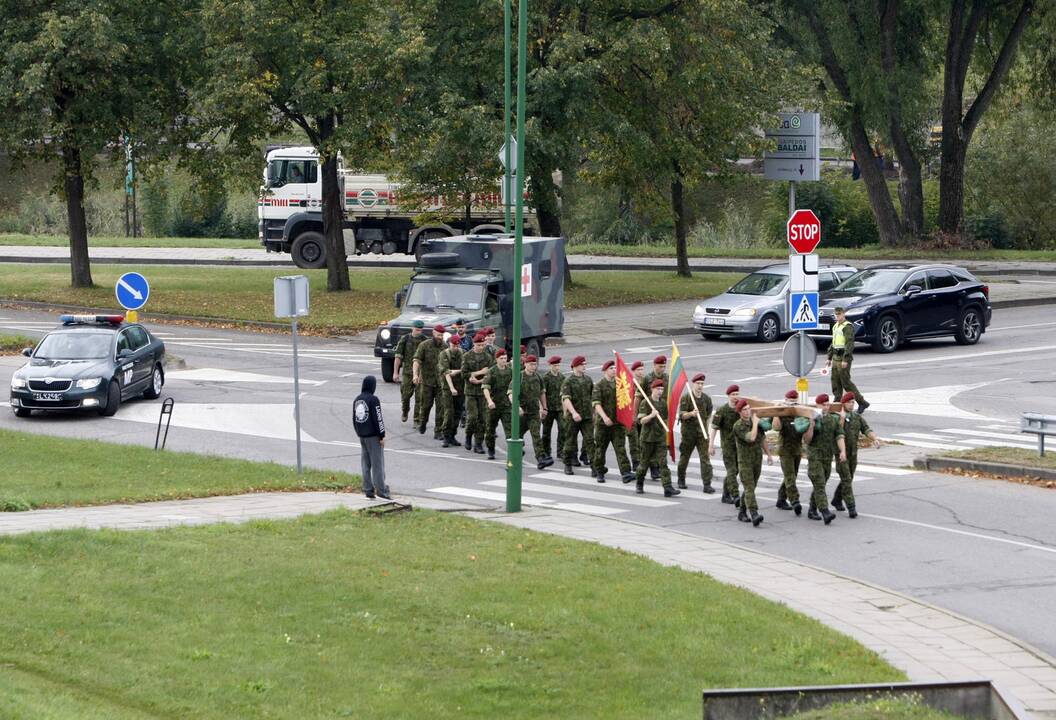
(431, 296)
(760, 284)
(491, 303)
(545, 269)
(74, 346)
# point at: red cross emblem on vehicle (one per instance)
(526, 280)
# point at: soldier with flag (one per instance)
(694, 411)
(638, 373)
(606, 430)
(653, 437)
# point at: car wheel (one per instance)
(388, 367)
(888, 334)
(113, 400)
(157, 381)
(22, 412)
(769, 329)
(534, 347)
(309, 250)
(969, 327)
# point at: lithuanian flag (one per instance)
(678, 380)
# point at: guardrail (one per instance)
(1040, 425)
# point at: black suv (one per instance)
(91, 362)
(890, 304)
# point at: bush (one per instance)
(840, 203)
(990, 229)
(736, 228)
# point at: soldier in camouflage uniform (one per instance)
(552, 382)
(791, 454)
(653, 441)
(638, 370)
(496, 394)
(426, 358)
(828, 436)
(475, 366)
(751, 443)
(449, 369)
(854, 426)
(659, 373)
(693, 405)
(723, 421)
(533, 407)
(576, 392)
(404, 366)
(606, 430)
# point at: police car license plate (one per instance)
(47, 396)
(714, 321)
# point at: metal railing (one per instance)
(1040, 425)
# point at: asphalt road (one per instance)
(984, 548)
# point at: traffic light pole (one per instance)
(515, 444)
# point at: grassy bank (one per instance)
(88, 472)
(413, 615)
(246, 293)
(110, 241)
(14, 344)
(1012, 456)
(884, 709)
(780, 253)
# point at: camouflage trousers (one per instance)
(530, 423)
(573, 430)
(790, 470)
(653, 453)
(844, 490)
(553, 417)
(841, 382)
(476, 418)
(729, 461)
(690, 442)
(407, 391)
(750, 468)
(633, 443)
(605, 435)
(423, 404)
(819, 470)
(501, 413)
(451, 414)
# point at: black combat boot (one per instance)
(421, 429)
(491, 453)
(727, 499)
(756, 518)
(576, 462)
(654, 472)
(545, 461)
(671, 491)
(851, 512)
(682, 484)
(601, 477)
(469, 442)
(639, 487)
(478, 448)
(403, 417)
(634, 466)
(863, 406)
(569, 470)
(436, 434)
(837, 500)
(736, 501)
(797, 508)
(828, 515)
(783, 504)
(708, 489)
(742, 515)
(627, 477)
(782, 495)
(446, 442)
(583, 457)
(812, 513)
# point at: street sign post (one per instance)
(799, 357)
(797, 153)
(803, 231)
(132, 291)
(291, 301)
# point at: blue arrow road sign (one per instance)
(803, 311)
(132, 291)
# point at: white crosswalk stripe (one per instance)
(650, 488)
(527, 500)
(575, 492)
(962, 438)
(1007, 437)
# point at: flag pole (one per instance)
(697, 410)
(646, 397)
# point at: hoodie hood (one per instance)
(370, 383)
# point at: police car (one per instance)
(90, 362)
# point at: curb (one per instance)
(938, 463)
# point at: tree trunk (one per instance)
(951, 182)
(678, 208)
(910, 190)
(544, 198)
(875, 185)
(337, 279)
(80, 265)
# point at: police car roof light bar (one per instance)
(76, 319)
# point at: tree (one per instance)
(330, 67)
(75, 76)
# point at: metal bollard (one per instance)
(166, 409)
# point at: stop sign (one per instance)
(804, 231)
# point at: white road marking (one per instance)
(757, 351)
(984, 434)
(219, 375)
(930, 401)
(584, 494)
(978, 442)
(650, 488)
(928, 445)
(255, 419)
(501, 498)
(970, 355)
(1019, 327)
(980, 536)
(880, 470)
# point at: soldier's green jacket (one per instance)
(791, 439)
(531, 392)
(853, 428)
(578, 389)
(450, 359)
(405, 352)
(848, 342)
(604, 394)
(690, 426)
(748, 448)
(826, 430)
(498, 383)
(723, 421)
(647, 384)
(552, 383)
(471, 362)
(651, 431)
(428, 357)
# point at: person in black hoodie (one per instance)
(370, 427)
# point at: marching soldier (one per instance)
(576, 392)
(828, 436)
(751, 443)
(854, 426)
(489, 341)
(426, 359)
(606, 430)
(695, 413)
(552, 382)
(475, 366)
(653, 441)
(659, 373)
(449, 369)
(791, 454)
(533, 407)
(496, 394)
(638, 369)
(840, 354)
(404, 366)
(723, 421)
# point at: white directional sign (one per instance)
(803, 311)
(513, 155)
(797, 152)
(803, 273)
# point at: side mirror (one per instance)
(913, 290)
(28, 352)
(124, 354)
(398, 298)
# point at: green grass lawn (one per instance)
(247, 294)
(781, 253)
(1014, 456)
(14, 344)
(413, 615)
(909, 708)
(43, 471)
(104, 241)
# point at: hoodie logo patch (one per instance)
(360, 411)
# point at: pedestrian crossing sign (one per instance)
(803, 311)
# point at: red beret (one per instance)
(733, 389)
(489, 330)
(608, 364)
(791, 395)
(741, 404)
(554, 360)
(523, 349)
(637, 364)
(660, 360)
(822, 399)
(455, 340)
(655, 384)
(579, 360)
(699, 377)
(847, 397)
(439, 328)
(501, 352)
(530, 358)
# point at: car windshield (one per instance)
(760, 284)
(431, 296)
(873, 282)
(73, 346)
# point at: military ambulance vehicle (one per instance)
(472, 277)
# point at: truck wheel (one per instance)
(534, 347)
(387, 366)
(309, 250)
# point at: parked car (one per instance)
(755, 305)
(890, 304)
(90, 362)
